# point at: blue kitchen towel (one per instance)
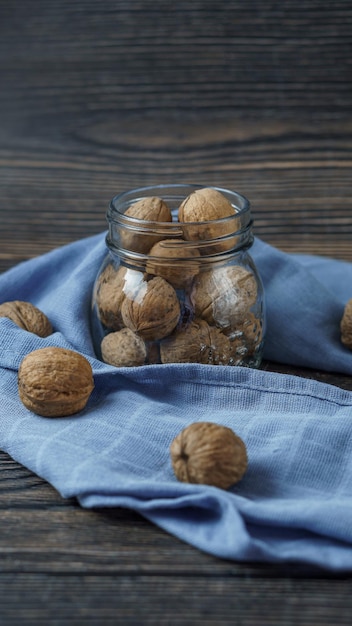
(294, 503)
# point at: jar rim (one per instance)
(124, 199)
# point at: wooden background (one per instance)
(100, 97)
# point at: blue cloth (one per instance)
(294, 504)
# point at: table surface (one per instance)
(97, 98)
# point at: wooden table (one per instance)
(100, 97)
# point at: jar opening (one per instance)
(133, 235)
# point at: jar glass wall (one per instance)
(178, 284)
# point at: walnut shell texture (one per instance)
(208, 453)
(252, 333)
(55, 382)
(346, 325)
(151, 209)
(196, 343)
(110, 295)
(153, 311)
(203, 205)
(27, 316)
(202, 209)
(174, 263)
(123, 348)
(113, 285)
(223, 296)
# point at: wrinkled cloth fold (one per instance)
(294, 503)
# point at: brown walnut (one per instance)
(113, 284)
(245, 338)
(27, 316)
(123, 348)
(346, 325)
(174, 261)
(203, 205)
(55, 382)
(196, 343)
(201, 211)
(153, 310)
(224, 295)
(151, 209)
(208, 453)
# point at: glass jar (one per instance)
(175, 287)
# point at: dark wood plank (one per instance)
(99, 99)
(244, 58)
(59, 562)
(172, 600)
(44, 533)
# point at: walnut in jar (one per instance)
(346, 325)
(174, 260)
(202, 214)
(196, 342)
(251, 333)
(111, 290)
(223, 296)
(123, 348)
(151, 209)
(153, 310)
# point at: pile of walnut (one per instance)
(142, 311)
(52, 381)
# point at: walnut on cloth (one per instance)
(208, 453)
(27, 316)
(55, 382)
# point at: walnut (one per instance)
(204, 205)
(176, 262)
(153, 310)
(55, 382)
(224, 295)
(245, 338)
(346, 325)
(196, 343)
(113, 284)
(207, 453)
(123, 348)
(139, 239)
(27, 316)
(202, 209)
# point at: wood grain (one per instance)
(97, 100)
(100, 97)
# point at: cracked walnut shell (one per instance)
(27, 316)
(346, 325)
(55, 382)
(208, 453)
(153, 310)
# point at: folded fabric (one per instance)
(294, 503)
